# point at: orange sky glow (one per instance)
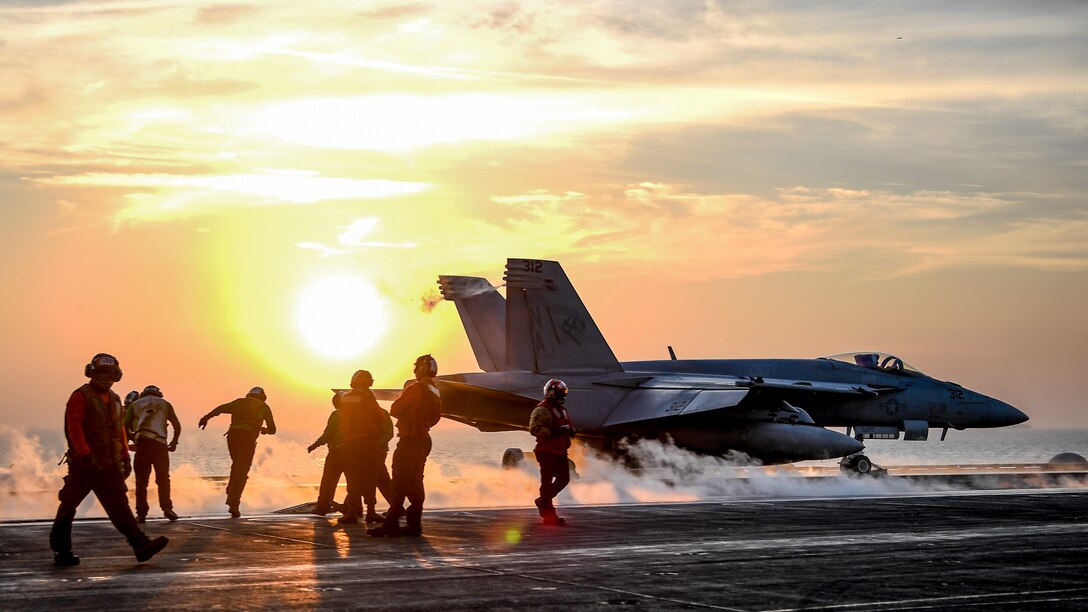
(231, 195)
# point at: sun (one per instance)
(340, 316)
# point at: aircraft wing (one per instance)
(475, 406)
(484, 426)
(484, 408)
(671, 395)
(811, 388)
(387, 395)
(676, 381)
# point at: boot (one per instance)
(141, 518)
(371, 515)
(234, 512)
(348, 519)
(149, 548)
(170, 514)
(385, 531)
(65, 559)
(554, 519)
(321, 509)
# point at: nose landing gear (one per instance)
(855, 464)
(860, 465)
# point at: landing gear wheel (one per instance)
(862, 465)
(856, 465)
(513, 458)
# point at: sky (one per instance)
(226, 195)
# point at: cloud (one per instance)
(357, 231)
(706, 118)
(537, 197)
(866, 232)
(326, 251)
(353, 240)
(396, 11)
(172, 196)
(221, 14)
(353, 236)
(404, 123)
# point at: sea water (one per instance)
(465, 470)
(457, 446)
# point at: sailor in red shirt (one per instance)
(551, 425)
(417, 410)
(97, 461)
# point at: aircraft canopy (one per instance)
(875, 360)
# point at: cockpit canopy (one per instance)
(879, 361)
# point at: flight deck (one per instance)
(1017, 549)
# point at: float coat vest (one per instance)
(360, 415)
(149, 418)
(102, 427)
(246, 413)
(418, 409)
(551, 425)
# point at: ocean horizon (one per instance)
(465, 470)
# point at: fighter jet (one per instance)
(771, 410)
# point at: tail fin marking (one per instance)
(548, 328)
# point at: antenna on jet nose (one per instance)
(672, 354)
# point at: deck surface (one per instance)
(1018, 549)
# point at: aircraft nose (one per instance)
(1003, 415)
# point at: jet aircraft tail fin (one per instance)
(548, 328)
(483, 314)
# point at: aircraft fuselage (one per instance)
(921, 398)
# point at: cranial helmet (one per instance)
(151, 390)
(132, 397)
(258, 393)
(103, 362)
(556, 390)
(426, 366)
(361, 380)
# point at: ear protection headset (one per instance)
(103, 361)
(426, 365)
(361, 380)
